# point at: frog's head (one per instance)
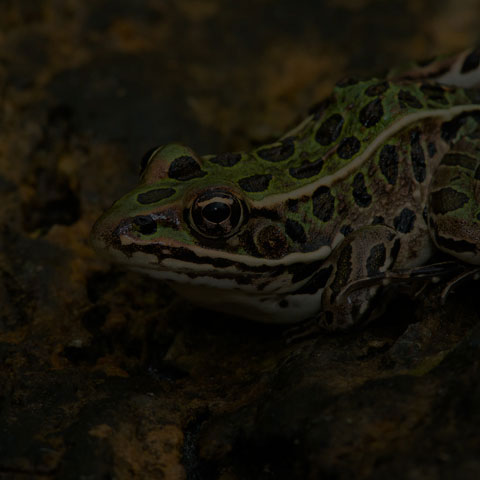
(193, 222)
(176, 209)
(185, 217)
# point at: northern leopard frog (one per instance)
(381, 173)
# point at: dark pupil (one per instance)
(216, 212)
(146, 225)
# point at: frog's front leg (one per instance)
(362, 258)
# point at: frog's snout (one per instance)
(110, 232)
(102, 234)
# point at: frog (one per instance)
(380, 175)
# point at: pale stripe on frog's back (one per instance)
(339, 138)
(343, 173)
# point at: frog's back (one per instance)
(340, 136)
(366, 155)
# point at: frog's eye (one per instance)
(216, 214)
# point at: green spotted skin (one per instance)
(381, 173)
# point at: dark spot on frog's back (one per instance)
(329, 130)
(227, 159)
(255, 183)
(406, 99)
(155, 195)
(292, 205)
(447, 200)
(388, 163)
(359, 191)
(376, 89)
(277, 153)
(472, 61)
(371, 113)
(295, 231)
(404, 222)
(185, 168)
(348, 147)
(323, 203)
(307, 170)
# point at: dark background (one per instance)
(106, 374)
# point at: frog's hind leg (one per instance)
(454, 201)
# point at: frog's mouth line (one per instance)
(218, 258)
(196, 258)
(220, 273)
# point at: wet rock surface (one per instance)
(105, 373)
